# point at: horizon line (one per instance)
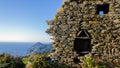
(22, 42)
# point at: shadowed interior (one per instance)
(104, 8)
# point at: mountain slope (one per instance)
(39, 48)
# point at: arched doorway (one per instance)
(82, 43)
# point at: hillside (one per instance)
(38, 48)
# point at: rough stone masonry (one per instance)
(86, 28)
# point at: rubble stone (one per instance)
(104, 29)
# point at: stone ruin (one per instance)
(86, 28)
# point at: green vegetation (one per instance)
(31, 61)
(90, 64)
(25, 60)
(39, 61)
(7, 61)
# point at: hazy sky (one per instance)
(25, 20)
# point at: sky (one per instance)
(25, 20)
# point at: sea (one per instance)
(15, 48)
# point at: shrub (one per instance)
(25, 60)
(8, 61)
(18, 62)
(89, 63)
(39, 62)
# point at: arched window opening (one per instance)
(82, 43)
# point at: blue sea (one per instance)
(15, 48)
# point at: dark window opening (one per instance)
(76, 60)
(82, 43)
(102, 9)
(82, 46)
(82, 34)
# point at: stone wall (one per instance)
(104, 30)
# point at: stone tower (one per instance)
(87, 28)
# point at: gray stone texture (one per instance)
(104, 29)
